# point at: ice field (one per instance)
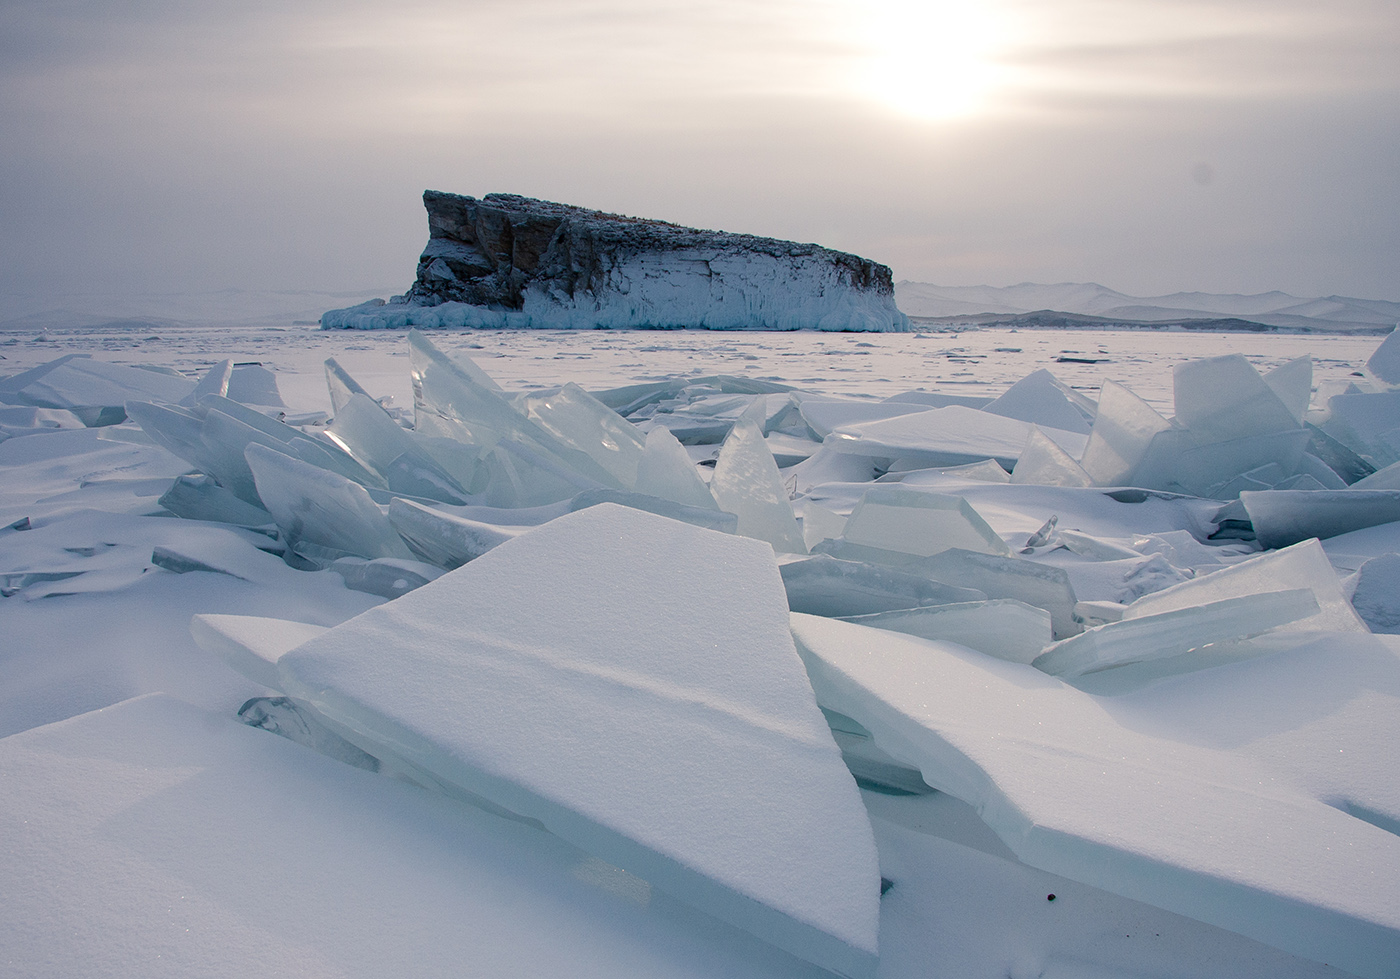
(983, 654)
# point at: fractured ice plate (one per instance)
(630, 682)
(1074, 787)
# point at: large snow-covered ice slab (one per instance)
(1076, 789)
(597, 675)
(156, 839)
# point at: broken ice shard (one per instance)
(341, 385)
(946, 437)
(1043, 463)
(1303, 565)
(93, 390)
(896, 525)
(665, 470)
(1035, 584)
(1151, 637)
(1220, 398)
(580, 420)
(1042, 399)
(1368, 424)
(747, 484)
(1123, 429)
(1384, 364)
(444, 538)
(366, 431)
(1004, 628)
(1284, 517)
(321, 507)
(466, 404)
(824, 585)
(651, 712)
(1292, 382)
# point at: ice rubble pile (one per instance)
(511, 261)
(1066, 676)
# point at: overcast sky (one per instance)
(1149, 145)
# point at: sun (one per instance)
(929, 59)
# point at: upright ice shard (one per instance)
(1221, 398)
(747, 484)
(1042, 399)
(583, 422)
(464, 404)
(1043, 463)
(321, 508)
(1292, 382)
(1123, 429)
(366, 431)
(341, 385)
(650, 712)
(1384, 364)
(1368, 424)
(665, 470)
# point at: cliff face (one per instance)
(515, 261)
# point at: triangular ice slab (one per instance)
(597, 675)
(1074, 787)
(1042, 399)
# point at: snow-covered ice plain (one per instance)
(567, 636)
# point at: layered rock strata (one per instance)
(510, 261)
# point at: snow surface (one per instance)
(163, 814)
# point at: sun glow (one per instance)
(931, 59)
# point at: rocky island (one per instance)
(505, 261)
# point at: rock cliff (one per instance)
(510, 261)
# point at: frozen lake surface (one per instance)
(1093, 732)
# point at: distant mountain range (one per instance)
(1090, 304)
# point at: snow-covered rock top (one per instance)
(511, 261)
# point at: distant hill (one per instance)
(1090, 304)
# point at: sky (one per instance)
(1153, 146)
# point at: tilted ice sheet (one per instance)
(1004, 628)
(161, 840)
(894, 524)
(946, 437)
(1074, 789)
(1303, 565)
(1283, 517)
(597, 675)
(1165, 634)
